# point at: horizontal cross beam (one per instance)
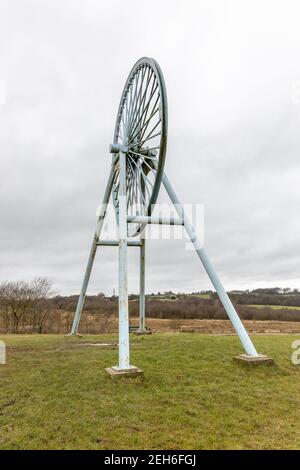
(116, 243)
(143, 219)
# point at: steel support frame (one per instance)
(122, 242)
(124, 353)
(229, 308)
(136, 243)
(124, 360)
(142, 324)
(87, 275)
(143, 219)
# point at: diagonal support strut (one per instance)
(231, 312)
(93, 250)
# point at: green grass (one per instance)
(56, 395)
(274, 307)
(168, 299)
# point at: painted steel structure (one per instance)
(137, 171)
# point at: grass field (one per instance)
(274, 307)
(201, 296)
(55, 394)
(168, 299)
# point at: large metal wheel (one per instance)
(141, 133)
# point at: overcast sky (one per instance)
(232, 72)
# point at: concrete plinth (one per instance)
(131, 372)
(143, 332)
(261, 359)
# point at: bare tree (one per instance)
(4, 307)
(17, 301)
(23, 301)
(40, 290)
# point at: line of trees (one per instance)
(31, 307)
(25, 303)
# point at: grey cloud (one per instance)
(233, 136)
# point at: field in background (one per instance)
(275, 307)
(91, 324)
(219, 326)
(168, 311)
(55, 394)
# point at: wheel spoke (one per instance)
(142, 101)
(145, 110)
(153, 112)
(143, 174)
(138, 97)
(131, 189)
(147, 164)
(145, 124)
(137, 116)
(137, 189)
(144, 156)
(151, 94)
(141, 142)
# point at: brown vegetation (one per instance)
(24, 304)
(28, 307)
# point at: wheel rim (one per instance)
(141, 130)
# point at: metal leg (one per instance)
(92, 255)
(235, 319)
(142, 285)
(123, 289)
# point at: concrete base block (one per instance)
(261, 359)
(143, 332)
(131, 372)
